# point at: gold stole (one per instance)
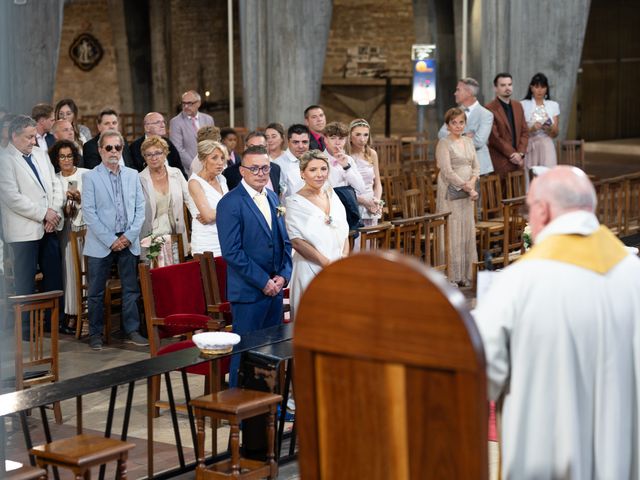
(598, 252)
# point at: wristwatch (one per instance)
(347, 167)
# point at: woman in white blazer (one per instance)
(165, 191)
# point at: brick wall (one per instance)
(387, 26)
(97, 88)
(199, 53)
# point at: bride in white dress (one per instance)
(316, 223)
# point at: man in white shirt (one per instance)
(479, 121)
(342, 168)
(562, 342)
(298, 138)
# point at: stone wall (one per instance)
(387, 26)
(199, 54)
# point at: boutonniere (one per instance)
(281, 210)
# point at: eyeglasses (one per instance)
(255, 169)
(153, 154)
(65, 157)
(110, 148)
(188, 104)
(157, 122)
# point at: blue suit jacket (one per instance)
(99, 212)
(253, 252)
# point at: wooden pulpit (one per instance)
(390, 375)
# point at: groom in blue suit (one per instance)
(256, 247)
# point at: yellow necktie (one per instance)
(263, 205)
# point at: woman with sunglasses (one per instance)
(206, 189)
(165, 191)
(66, 109)
(65, 158)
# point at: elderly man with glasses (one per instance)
(183, 128)
(113, 208)
(154, 124)
(256, 247)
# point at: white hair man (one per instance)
(562, 341)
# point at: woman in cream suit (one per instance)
(165, 191)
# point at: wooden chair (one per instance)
(375, 237)
(397, 399)
(236, 405)
(424, 182)
(112, 291)
(82, 452)
(389, 151)
(35, 308)
(611, 201)
(516, 184)
(407, 236)
(412, 203)
(26, 472)
(632, 205)
(436, 241)
(176, 300)
(571, 152)
(490, 227)
(393, 188)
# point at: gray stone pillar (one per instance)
(524, 38)
(29, 48)
(283, 49)
(159, 20)
(121, 44)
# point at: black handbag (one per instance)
(454, 194)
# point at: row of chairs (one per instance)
(425, 237)
(619, 203)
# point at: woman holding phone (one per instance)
(65, 157)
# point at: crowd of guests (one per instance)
(325, 175)
(162, 185)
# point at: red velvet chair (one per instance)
(177, 302)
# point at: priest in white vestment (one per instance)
(561, 332)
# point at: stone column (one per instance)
(283, 49)
(159, 20)
(29, 48)
(524, 38)
(123, 65)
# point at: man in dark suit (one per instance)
(107, 120)
(256, 247)
(232, 173)
(42, 113)
(154, 124)
(315, 120)
(509, 134)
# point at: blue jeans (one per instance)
(98, 274)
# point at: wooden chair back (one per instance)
(632, 205)
(490, 197)
(375, 237)
(514, 223)
(32, 352)
(393, 188)
(391, 384)
(413, 204)
(81, 281)
(436, 241)
(571, 152)
(388, 150)
(516, 186)
(424, 182)
(407, 236)
(611, 202)
(130, 126)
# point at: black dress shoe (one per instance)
(66, 330)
